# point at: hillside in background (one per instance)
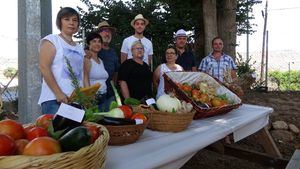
(278, 60)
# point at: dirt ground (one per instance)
(286, 107)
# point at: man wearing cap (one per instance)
(186, 58)
(108, 55)
(139, 24)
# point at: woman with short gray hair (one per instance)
(135, 76)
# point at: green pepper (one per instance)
(132, 101)
(75, 139)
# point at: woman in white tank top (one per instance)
(170, 65)
(53, 49)
(94, 71)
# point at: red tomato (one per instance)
(139, 116)
(36, 132)
(94, 131)
(187, 88)
(12, 128)
(7, 145)
(126, 110)
(44, 120)
(20, 145)
(28, 128)
(42, 146)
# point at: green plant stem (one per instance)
(118, 99)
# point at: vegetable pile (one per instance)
(204, 93)
(169, 103)
(119, 114)
(40, 139)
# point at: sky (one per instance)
(283, 25)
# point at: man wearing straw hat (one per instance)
(108, 56)
(139, 24)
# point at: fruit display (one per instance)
(208, 96)
(202, 92)
(202, 89)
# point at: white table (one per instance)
(172, 150)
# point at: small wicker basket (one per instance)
(125, 134)
(92, 157)
(169, 122)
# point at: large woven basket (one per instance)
(169, 122)
(89, 157)
(171, 78)
(125, 134)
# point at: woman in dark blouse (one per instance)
(135, 76)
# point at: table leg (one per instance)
(265, 139)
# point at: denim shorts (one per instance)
(50, 107)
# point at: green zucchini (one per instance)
(75, 139)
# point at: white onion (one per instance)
(168, 103)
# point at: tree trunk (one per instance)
(210, 23)
(227, 25)
(199, 37)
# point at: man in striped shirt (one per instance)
(218, 64)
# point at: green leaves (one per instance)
(244, 66)
(113, 105)
(288, 80)
(80, 98)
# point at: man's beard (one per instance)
(139, 32)
(106, 39)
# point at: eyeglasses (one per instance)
(140, 49)
(105, 30)
(170, 53)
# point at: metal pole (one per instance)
(247, 38)
(267, 58)
(289, 76)
(263, 47)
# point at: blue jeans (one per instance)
(104, 103)
(50, 107)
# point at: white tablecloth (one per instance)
(172, 150)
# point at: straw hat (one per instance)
(104, 24)
(139, 17)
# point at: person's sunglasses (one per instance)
(105, 30)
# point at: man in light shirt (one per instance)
(139, 24)
(217, 63)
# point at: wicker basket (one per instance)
(125, 134)
(169, 122)
(145, 109)
(172, 77)
(92, 156)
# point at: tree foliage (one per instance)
(243, 20)
(9, 72)
(165, 17)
